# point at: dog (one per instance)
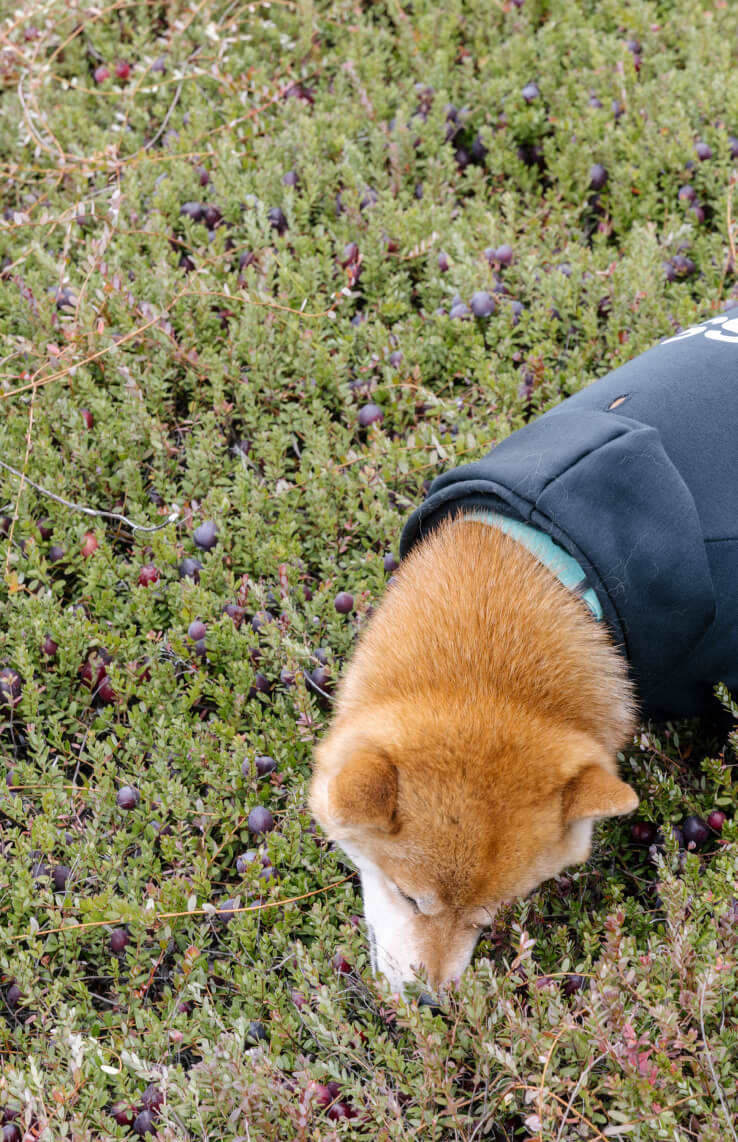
(578, 579)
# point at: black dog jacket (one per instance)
(636, 478)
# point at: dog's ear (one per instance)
(364, 791)
(595, 791)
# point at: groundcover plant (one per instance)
(265, 270)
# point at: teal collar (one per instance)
(564, 566)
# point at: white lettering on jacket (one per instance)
(727, 331)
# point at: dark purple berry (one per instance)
(478, 149)
(683, 266)
(482, 304)
(716, 819)
(11, 1133)
(696, 832)
(277, 219)
(733, 141)
(287, 677)
(368, 199)
(262, 685)
(190, 569)
(260, 820)
(211, 216)
(350, 254)
(459, 312)
(49, 647)
(127, 798)
(56, 553)
(320, 677)
(341, 964)
(530, 92)
(244, 860)
(504, 254)
(290, 178)
(370, 414)
(234, 612)
(395, 358)
(60, 875)
(573, 984)
(642, 833)
(260, 620)
(13, 996)
(257, 1031)
(225, 911)
(206, 535)
(123, 1113)
(516, 309)
(390, 563)
(264, 764)
(44, 527)
(144, 1123)
(196, 630)
(193, 210)
(598, 176)
(119, 939)
(593, 101)
(443, 262)
(344, 603)
(687, 193)
(703, 151)
(105, 692)
(94, 668)
(11, 687)
(152, 1098)
(65, 299)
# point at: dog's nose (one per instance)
(425, 999)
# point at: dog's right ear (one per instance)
(362, 791)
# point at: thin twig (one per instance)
(23, 479)
(715, 1079)
(173, 515)
(161, 130)
(574, 1093)
(157, 917)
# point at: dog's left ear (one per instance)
(596, 792)
(354, 786)
(364, 791)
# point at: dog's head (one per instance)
(443, 831)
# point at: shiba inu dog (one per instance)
(473, 746)
(578, 577)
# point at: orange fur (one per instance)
(476, 724)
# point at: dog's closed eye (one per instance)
(408, 898)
